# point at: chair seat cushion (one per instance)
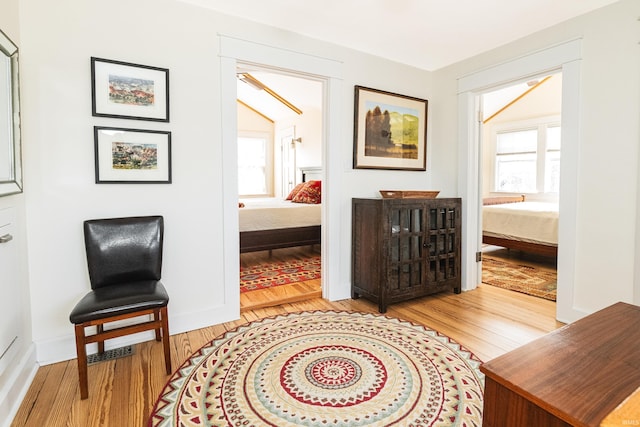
(119, 299)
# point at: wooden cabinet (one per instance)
(10, 293)
(405, 248)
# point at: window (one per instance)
(552, 160)
(254, 165)
(527, 158)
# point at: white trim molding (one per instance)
(567, 58)
(535, 63)
(232, 52)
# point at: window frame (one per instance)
(270, 160)
(540, 124)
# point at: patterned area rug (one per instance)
(520, 278)
(268, 275)
(325, 369)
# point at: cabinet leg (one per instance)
(355, 295)
(457, 289)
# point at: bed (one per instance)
(514, 223)
(273, 223)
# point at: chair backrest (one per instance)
(123, 249)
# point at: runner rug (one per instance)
(325, 369)
(268, 275)
(521, 278)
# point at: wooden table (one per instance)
(574, 376)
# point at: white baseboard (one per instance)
(16, 388)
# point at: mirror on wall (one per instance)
(10, 150)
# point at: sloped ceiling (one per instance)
(304, 94)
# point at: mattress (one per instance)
(275, 213)
(535, 222)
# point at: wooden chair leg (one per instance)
(165, 339)
(156, 316)
(81, 350)
(99, 330)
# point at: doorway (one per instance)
(232, 52)
(520, 137)
(565, 57)
(280, 117)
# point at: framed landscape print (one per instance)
(129, 91)
(132, 156)
(390, 131)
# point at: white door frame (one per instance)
(565, 57)
(233, 51)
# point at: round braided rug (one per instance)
(325, 369)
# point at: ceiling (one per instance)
(427, 34)
(304, 94)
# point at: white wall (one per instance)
(59, 150)
(308, 126)
(250, 121)
(607, 173)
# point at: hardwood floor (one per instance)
(488, 321)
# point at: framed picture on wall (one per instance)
(129, 91)
(390, 131)
(132, 156)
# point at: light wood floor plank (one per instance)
(181, 349)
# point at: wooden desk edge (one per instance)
(487, 367)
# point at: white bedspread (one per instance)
(274, 213)
(527, 221)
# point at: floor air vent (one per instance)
(114, 353)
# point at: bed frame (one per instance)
(536, 248)
(252, 241)
(261, 240)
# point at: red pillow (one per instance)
(295, 190)
(310, 193)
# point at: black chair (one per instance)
(124, 256)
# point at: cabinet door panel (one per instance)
(9, 292)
